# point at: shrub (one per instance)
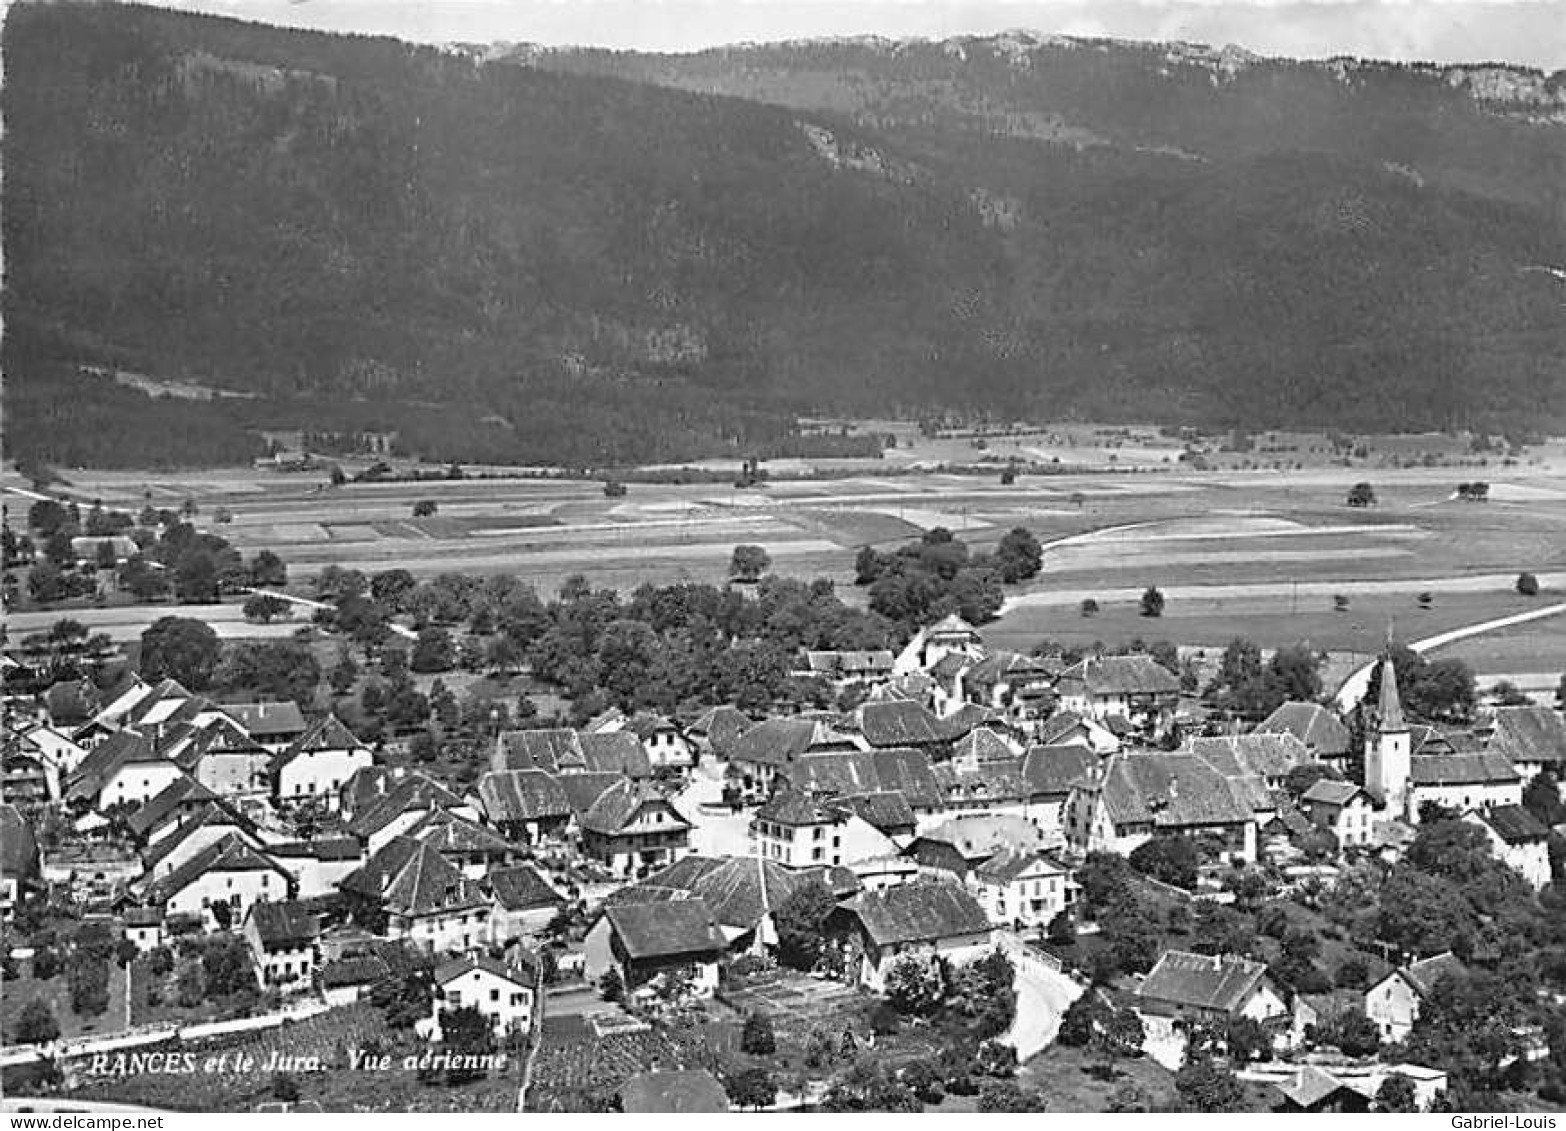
(1089, 606)
(424, 508)
(1152, 602)
(1527, 585)
(35, 1024)
(758, 1037)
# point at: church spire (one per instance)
(1390, 714)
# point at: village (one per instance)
(952, 876)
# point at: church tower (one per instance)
(1388, 747)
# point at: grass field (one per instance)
(56, 993)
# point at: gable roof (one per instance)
(1326, 791)
(990, 783)
(887, 810)
(213, 814)
(740, 891)
(542, 748)
(279, 719)
(1136, 674)
(1269, 755)
(848, 662)
(983, 745)
(1170, 791)
(1009, 863)
(1515, 824)
(121, 749)
(1322, 732)
(1461, 769)
(869, 771)
(982, 837)
(618, 806)
(923, 911)
(900, 723)
(951, 625)
(522, 888)
(795, 808)
(1427, 973)
(721, 726)
(324, 734)
(446, 832)
(1201, 981)
(659, 930)
(617, 752)
(777, 742)
(448, 972)
(286, 923)
(231, 853)
(184, 792)
(1051, 771)
(413, 793)
(581, 790)
(1062, 723)
(523, 795)
(1529, 734)
(409, 877)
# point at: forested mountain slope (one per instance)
(532, 263)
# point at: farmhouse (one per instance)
(629, 829)
(646, 940)
(1194, 988)
(797, 832)
(930, 919)
(316, 765)
(1518, 839)
(505, 995)
(1343, 809)
(1050, 773)
(274, 726)
(524, 903)
(665, 743)
(413, 892)
(1321, 732)
(1532, 739)
(1135, 688)
(1129, 798)
(948, 636)
(1021, 889)
(220, 883)
(529, 806)
(126, 769)
(771, 746)
(282, 938)
(1394, 1002)
(716, 728)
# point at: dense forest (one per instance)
(506, 262)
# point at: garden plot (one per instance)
(799, 1003)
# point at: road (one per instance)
(127, 622)
(1353, 688)
(1043, 996)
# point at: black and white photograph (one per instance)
(747, 556)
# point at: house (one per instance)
(931, 644)
(317, 763)
(1136, 688)
(524, 903)
(678, 1092)
(1020, 686)
(410, 891)
(1050, 773)
(903, 725)
(407, 803)
(983, 746)
(220, 883)
(798, 832)
(528, 806)
(957, 846)
(616, 752)
(1394, 1002)
(629, 828)
(742, 892)
(472, 847)
(21, 869)
(1021, 889)
(144, 928)
(1132, 797)
(507, 995)
(553, 749)
(320, 864)
(206, 826)
(1461, 782)
(665, 743)
(932, 919)
(58, 747)
(31, 777)
(282, 938)
(1313, 1089)
(96, 550)
(1532, 738)
(229, 764)
(1319, 1011)
(992, 787)
(1318, 729)
(1269, 757)
(768, 748)
(716, 729)
(1067, 728)
(1518, 839)
(1188, 989)
(274, 726)
(125, 769)
(1343, 809)
(908, 772)
(163, 813)
(646, 940)
(846, 668)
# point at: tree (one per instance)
(285, 1088)
(913, 985)
(611, 986)
(1089, 607)
(1019, 554)
(1352, 1033)
(758, 1037)
(432, 651)
(749, 562)
(1246, 1040)
(195, 578)
(264, 607)
(46, 516)
(424, 508)
(613, 489)
(1361, 495)
(1396, 1094)
(1207, 1086)
(267, 571)
(466, 1033)
(1172, 859)
(1129, 931)
(752, 1087)
(35, 1024)
(867, 1085)
(1152, 602)
(181, 649)
(1527, 585)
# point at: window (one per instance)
(494, 995)
(818, 833)
(817, 853)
